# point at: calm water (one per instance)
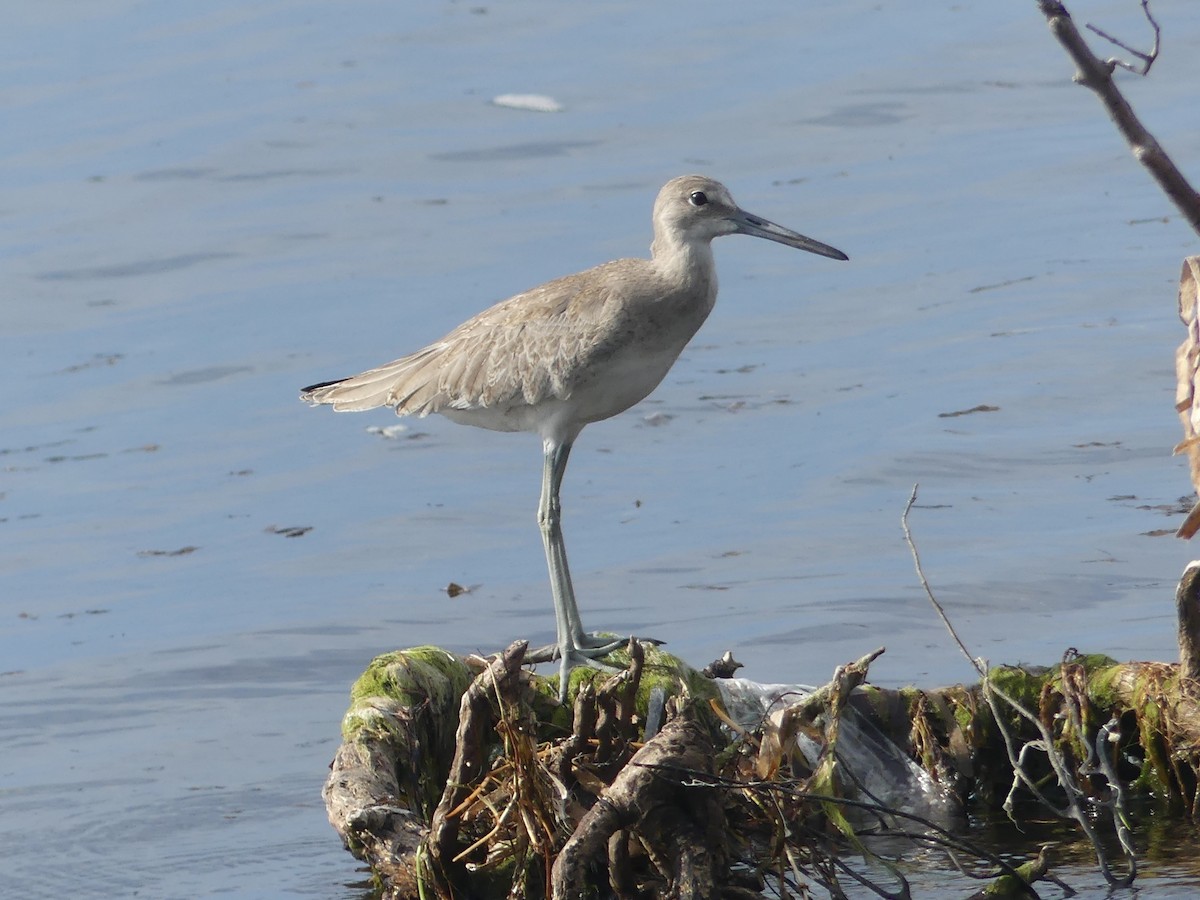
(205, 208)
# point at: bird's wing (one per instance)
(529, 348)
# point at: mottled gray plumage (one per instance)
(572, 351)
(510, 366)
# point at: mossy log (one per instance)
(391, 769)
(1155, 741)
(423, 728)
(465, 777)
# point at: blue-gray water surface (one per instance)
(205, 207)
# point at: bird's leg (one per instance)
(574, 646)
(570, 626)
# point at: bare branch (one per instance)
(992, 694)
(1104, 736)
(1146, 58)
(1096, 74)
(912, 547)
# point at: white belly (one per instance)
(608, 387)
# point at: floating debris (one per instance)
(204, 376)
(182, 551)
(98, 359)
(291, 531)
(982, 407)
(388, 432)
(529, 102)
(79, 458)
(1000, 284)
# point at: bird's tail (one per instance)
(394, 384)
(359, 392)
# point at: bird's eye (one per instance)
(698, 198)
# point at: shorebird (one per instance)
(570, 352)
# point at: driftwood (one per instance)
(390, 769)
(464, 784)
(648, 798)
(1187, 611)
(417, 791)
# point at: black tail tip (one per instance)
(306, 392)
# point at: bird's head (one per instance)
(696, 209)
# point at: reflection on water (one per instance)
(514, 151)
(133, 269)
(1167, 863)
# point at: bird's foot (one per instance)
(585, 648)
(581, 650)
(586, 655)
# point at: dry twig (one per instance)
(1021, 776)
(1146, 58)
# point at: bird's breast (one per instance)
(635, 359)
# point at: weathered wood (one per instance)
(392, 764)
(583, 730)
(659, 816)
(362, 797)
(649, 795)
(474, 728)
(1187, 608)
